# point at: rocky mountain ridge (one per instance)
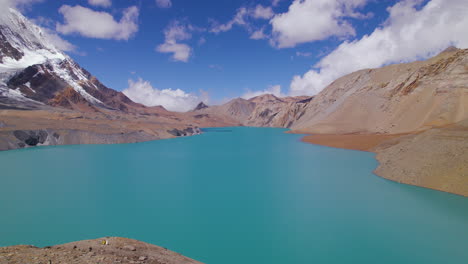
(399, 98)
(264, 110)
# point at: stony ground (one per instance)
(435, 159)
(103, 251)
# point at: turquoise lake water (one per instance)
(230, 195)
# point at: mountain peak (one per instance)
(265, 98)
(200, 106)
(450, 49)
(23, 43)
(33, 69)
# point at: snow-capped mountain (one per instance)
(34, 72)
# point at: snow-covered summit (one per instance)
(23, 43)
(33, 68)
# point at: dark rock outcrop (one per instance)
(31, 137)
(184, 132)
(6, 49)
(200, 106)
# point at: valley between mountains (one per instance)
(414, 116)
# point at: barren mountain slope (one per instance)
(436, 159)
(394, 99)
(264, 110)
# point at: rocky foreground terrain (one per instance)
(108, 250)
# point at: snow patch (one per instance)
(13, 94)
(37, 48)
(30, 58)
(64, 74)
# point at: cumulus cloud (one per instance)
(274, 90)
(410, 33)
(164, 3)
(103, 3)
(312, 20)
(94, 24)
(180, 52)
(143, 92)
(174, 33)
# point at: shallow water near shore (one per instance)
(230, 195)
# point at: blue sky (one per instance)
(297, 36)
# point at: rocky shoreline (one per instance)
(30, 128)
(107, 250)
(51, 137)
(434, 159)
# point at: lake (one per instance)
(230, 195)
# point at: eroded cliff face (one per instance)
(394, 99)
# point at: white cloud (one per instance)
(312, 20)
(238, 19)
(174, 33)
(164, 3)
(262, 12)
(143, 92)
(409, 33)
(241, 18)
(18, 4)
(274, 90)
(177, 31)
(275, 2)
(258, 34)
(103, 3)
(180, 52)
(58, 41)
(94, 24)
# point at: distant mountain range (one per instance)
(46, 98)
